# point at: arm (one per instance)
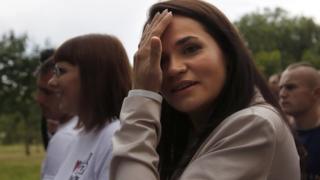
(134, 145)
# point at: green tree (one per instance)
(293, 38)
(313, 56)
(19, 121)
(268, 62)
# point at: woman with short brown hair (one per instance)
(92, 76)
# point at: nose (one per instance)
(53, 82)
(175, 66)
(283, 93)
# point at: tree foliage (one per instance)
(275, 38)
(18, 112)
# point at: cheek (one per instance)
(74, 93)
(70, 86)
(214, 74)
(77, 95)
(44, 99)
(164, 85)
(55, 100)
(77, 88)
(39, 98)
(71, 93)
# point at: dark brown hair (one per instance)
(46, 62)
(239, 89)
(105, 76)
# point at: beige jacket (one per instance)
(252, 144)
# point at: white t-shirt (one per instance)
(90, 155)
(58, 148)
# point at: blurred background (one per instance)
(278, 32)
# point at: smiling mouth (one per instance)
(182, 86)
(284, 103)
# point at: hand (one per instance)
(147, 72)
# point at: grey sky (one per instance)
(58, 20)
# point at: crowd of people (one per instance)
(194, 105)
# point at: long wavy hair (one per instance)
(242, 77)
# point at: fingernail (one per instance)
(157, 14)
(166, 10)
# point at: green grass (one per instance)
(15, 165)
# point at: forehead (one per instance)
(292, 77)
(273, 79)
(181, 26)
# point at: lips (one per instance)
(182, 85)
(284, 103)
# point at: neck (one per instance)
(65, 119)
(197, 119)
(308, 120)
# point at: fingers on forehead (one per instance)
(162, 23)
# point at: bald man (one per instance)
(299, 97)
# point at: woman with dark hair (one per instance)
(92, 77)
(217, 119)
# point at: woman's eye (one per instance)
(62, 71)
(190, 49)
(58, 71)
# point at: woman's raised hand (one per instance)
(147, 71)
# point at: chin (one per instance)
(185, 108)
(63, 108)
(191, 105)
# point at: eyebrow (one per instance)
(287, 84)
(184, 40)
